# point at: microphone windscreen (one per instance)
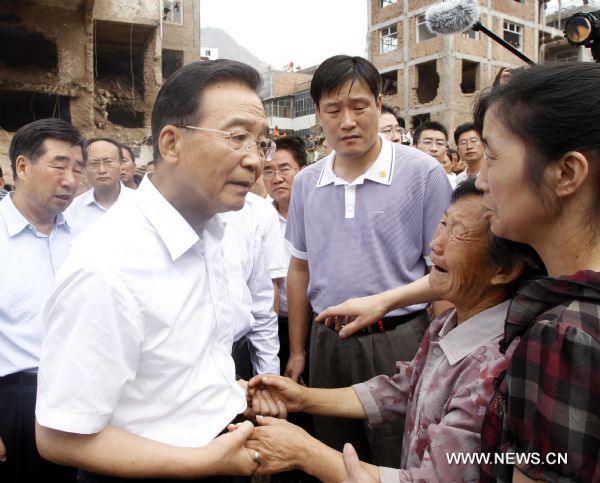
(452, 16)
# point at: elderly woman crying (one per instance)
(443, 391)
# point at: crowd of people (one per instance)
(417, 302)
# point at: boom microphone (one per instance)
(452, 17)
(456, 16)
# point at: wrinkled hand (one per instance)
(280, 444)
(295, 366)
(2, 451)
(260, 401)
(267, 391)
(233, 454)
(356, 472)
(353, 315)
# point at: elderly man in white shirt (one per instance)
(136, 375)
(103, 170)
(47, 160)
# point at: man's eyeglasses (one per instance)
(242, 141)
(430, 142)
(390, 130)
(284, 172)
(96, 163)
(465, 142)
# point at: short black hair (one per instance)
(179, 100)
(29, 140)
(295, 146)
(116, 143)
(503, 252)
(129, 150)
(334, 72)
(432, 125)
(463, 128)
(387, 109)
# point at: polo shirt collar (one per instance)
(381, 170)
(172, 228)
(16, 222)
(457, 342)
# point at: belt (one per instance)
(19, 378)
(389, 323)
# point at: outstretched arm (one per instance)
(282, 446)
(358, 313)
(264, 389)
(117, 452)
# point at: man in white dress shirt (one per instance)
(136, 375)
(103, 170)
(254, 259)
(47, 159)
(279, 174)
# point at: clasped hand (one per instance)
(274, 444)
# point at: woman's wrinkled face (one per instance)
(461, 271)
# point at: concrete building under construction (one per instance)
(96, 63)
(438, 77)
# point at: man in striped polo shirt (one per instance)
(360, 223)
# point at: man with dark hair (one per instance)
(128, 167)
(470, 150)
(279, 174)
(137, 378)
(47, 159)
(431, 137)
(360, 222)
(103, 170)
(388, 125)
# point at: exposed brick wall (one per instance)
(451, 106)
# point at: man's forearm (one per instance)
(117, 452)
(298, 307)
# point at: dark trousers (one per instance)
(241, 357)
(339, 362)
(17, 430)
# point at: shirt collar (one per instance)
(381, 170)
(174, 231)
(89, 197)
(16, 222)
(457, 342)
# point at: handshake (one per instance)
(275, 445)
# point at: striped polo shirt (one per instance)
(371, 235)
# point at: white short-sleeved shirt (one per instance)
(30, 260)
(85, 210)
(460, 177)
(287, 249)
(138, 329)
(253, 256)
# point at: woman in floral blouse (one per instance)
(443, 391)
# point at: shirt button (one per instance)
(437, 351)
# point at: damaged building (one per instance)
(438, 77)
(96, 63)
